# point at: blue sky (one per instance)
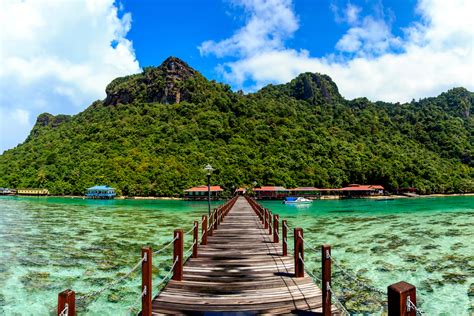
(178, 28)
(58, 56)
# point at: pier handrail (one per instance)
(110, 285)
(67, 300)
(399, 294)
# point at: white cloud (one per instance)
(352, 13)
(369, 37)
(57, 57)
(270, 22)
(434, 55)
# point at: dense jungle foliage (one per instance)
(155, 131)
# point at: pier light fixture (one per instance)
(209, 170)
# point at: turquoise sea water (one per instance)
(51, 244)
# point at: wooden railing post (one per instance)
(270, 226)
(299, 252)
(211, 226)
(276, 220)
(265, 218)
(284, 236)
(215, 219)
(326, 278)
(218, 216)
(195, 239)
(399, 296)
(146, 280)
(67, 297)
(178, 249)
(204, 230)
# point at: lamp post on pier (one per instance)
(209, 170)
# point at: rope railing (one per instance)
(189, 251)
(189, 231)
(138, 301)
(97, 293)
(308, 245)
(338, 302)
(64, 312)
(355, 279)
(165, 247)
(344, 271)
(167, 276)
(270, 224)
(67, 300)
(352, 277)
(402, 289)
(411, 305)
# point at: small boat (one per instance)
(297, 200)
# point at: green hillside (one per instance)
(156, 130)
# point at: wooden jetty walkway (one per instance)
(239, 265)
(240, 269)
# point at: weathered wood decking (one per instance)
(240, 270)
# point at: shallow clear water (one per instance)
(427, 242)
(51, 244)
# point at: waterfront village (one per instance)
(216, 192)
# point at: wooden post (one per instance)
(67, 297)
(398, 296)
(204, 230)
(276, 229)
(215, 219)
(178, 249)
(326, 278)
(195, 239)
(218, 216)
(284, 236)
(299, 251)
(270, 227)
(146, 281)
(265, 220)
(211, 226)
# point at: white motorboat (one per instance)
(297, 200)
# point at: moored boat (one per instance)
(296, 200)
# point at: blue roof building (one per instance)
(101, 192)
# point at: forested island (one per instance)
(155, 131)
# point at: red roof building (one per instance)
(305, 191)
(271, 192)
(200, 192)
(358, 190)
(240, 191)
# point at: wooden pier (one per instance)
(240, 269)
(240, 265)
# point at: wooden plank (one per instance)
(240, 269)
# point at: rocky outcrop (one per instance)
(45, 120)
(315, 88)
(163, 84)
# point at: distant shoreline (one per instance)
(324, 197)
